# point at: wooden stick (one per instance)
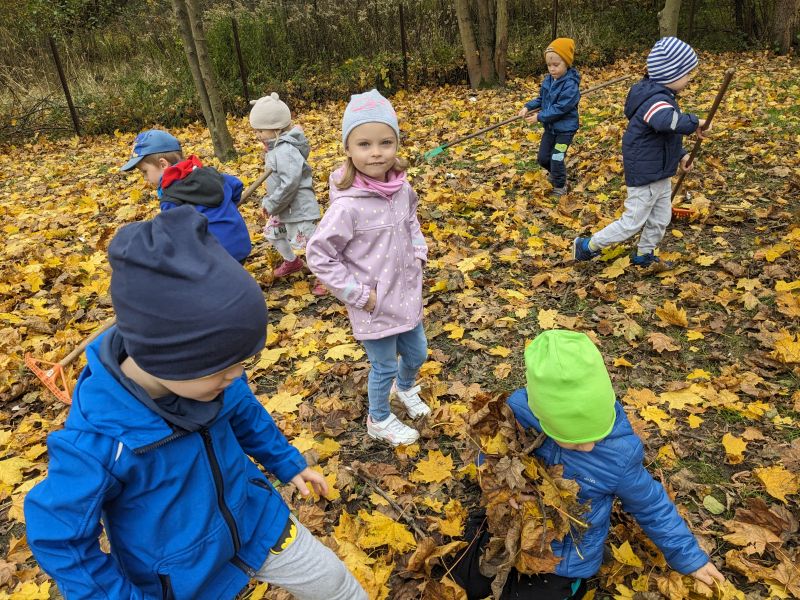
(400, 510)
(255, 185)
(722, 89)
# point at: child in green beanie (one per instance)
(569, 397)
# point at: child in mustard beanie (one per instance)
(570, 398)
(556, 109)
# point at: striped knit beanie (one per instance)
(669, 60)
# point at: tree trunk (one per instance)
(196, 51)
(468, 43)
(784, 24)
(668, 18)
(501, 41)
(486, 41)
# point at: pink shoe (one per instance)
(319, 289)
(288, 267)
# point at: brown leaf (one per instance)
(662, 343)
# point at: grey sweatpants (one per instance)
(309, 570)
(649, 208)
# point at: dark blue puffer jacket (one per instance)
(652, 145)
(613, 468)
(189, 515)
(558, 102)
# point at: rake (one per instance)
(439, 149)
(53, 375)
(686, 213)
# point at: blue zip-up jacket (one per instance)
(558, 102)
(613, 468)
(217, 196)
(652, 145)
(188, 515)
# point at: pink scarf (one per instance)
(387, 189)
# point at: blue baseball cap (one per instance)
(151, 142)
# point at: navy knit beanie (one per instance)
(185, 308)
(669, 60)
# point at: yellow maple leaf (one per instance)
(734, 448)
(693, 335)
(282, 403)
(11, 470)
(453, 523)
(787, 348)
(624, 554)
(617, 268)
(694, 421)
(380, 530)
(500, 351)
(622, 362)
(670, 313)
(456, 331)
(778, 481)
(437, 467)
(547, 318)
(340, 352)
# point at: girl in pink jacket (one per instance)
(368, 250)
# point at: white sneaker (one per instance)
(415, 406)
(392, 430)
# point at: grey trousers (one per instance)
(648, 208)
(309, 570)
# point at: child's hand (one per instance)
(685, 166)
(702, 130)
(522, 111)
(708, 573)
(373, 298)
(264, 214)
(532, 117)
(316, 480)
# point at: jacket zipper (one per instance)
(218, 484)
(162, 442)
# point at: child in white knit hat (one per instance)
(290, 206)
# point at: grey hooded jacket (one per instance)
(290, 188)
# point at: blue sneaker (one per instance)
(650, 260)
(581, 250)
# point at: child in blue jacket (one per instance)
(159, 157)
(558, 111)
(652, 150)
(569, 397)
(156, 448)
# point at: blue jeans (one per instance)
(412, 346)
(552, 156)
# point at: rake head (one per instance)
(431, 153)
(52, 376)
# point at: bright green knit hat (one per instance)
(569, 389)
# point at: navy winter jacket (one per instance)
(188, 515)
(613, 468)
(216, 196)
(652, 146)
(558, 100)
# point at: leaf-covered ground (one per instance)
(706, 357)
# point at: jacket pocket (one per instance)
(261, 484)
(166, 587)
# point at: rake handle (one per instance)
(255, 185)
(696, 148)
(516, 118)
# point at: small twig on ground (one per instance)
(400, 510)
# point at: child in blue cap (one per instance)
(158, 155)
(156, 448)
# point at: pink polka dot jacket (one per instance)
(366, 242)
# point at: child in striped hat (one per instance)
(652, 150)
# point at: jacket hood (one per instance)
(101, 404)
(572, 74)
(641, 92)
(203, 186)
(296, 138)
